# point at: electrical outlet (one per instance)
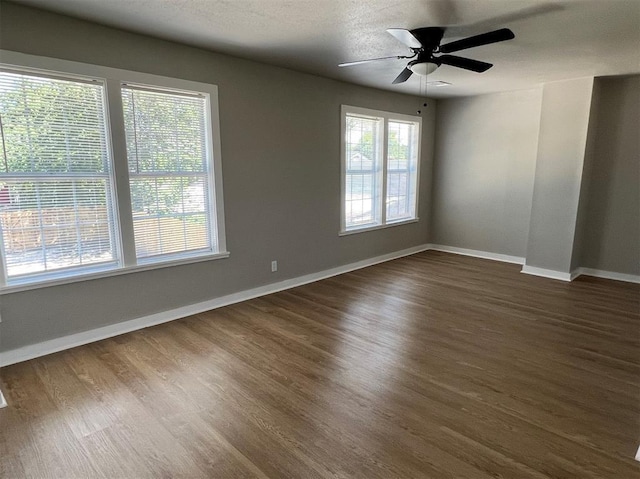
(274, 266)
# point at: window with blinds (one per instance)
(63, 214)
(363, 185)
(169, 172)
(402, 167)
(380, 159)
(56, 192)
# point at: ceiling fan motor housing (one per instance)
(429, 37)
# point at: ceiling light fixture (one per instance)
(423, 68)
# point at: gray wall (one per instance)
(610, 230)
(587, 171)
(484, 170)
(552, 175)
(281, 169)
(564, 122)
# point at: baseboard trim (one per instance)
(478, 254)
(547, 273)
(598, 273)
(33, 351)
(559, 275)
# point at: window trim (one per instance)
(113, 80)
(385, 116)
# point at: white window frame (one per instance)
(210, 174)
(113, 80)
(385, 116)
(108, 176)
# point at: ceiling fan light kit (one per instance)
(424, 44)
(424, 68)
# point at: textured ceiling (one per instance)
(555, 40)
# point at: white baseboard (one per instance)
(547, 273)
(3, 401)
(598, 273)
(562, 276)
(78, 339)
(66, 342)
(478, 254)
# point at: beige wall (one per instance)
(281, 169)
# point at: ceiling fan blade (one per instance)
(466, 63)
(403, 77)
(478, 40)
(405, 36)
(360, 62)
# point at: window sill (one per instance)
(45, 283)
(377, 227)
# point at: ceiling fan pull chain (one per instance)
(423, 93)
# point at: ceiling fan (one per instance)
(424, 44)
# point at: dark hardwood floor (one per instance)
(433, 365)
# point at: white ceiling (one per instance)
(555, 40)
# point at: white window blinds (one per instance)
(72, 203)
(363, 185)
(402, 168)
(56, 193)
(169, 172)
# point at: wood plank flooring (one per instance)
(430, 366)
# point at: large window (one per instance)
(56, 192)
(104, 173)
(169, 178)
(380, 158)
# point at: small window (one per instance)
(380, 159)
(170, 170)
(56, 194)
